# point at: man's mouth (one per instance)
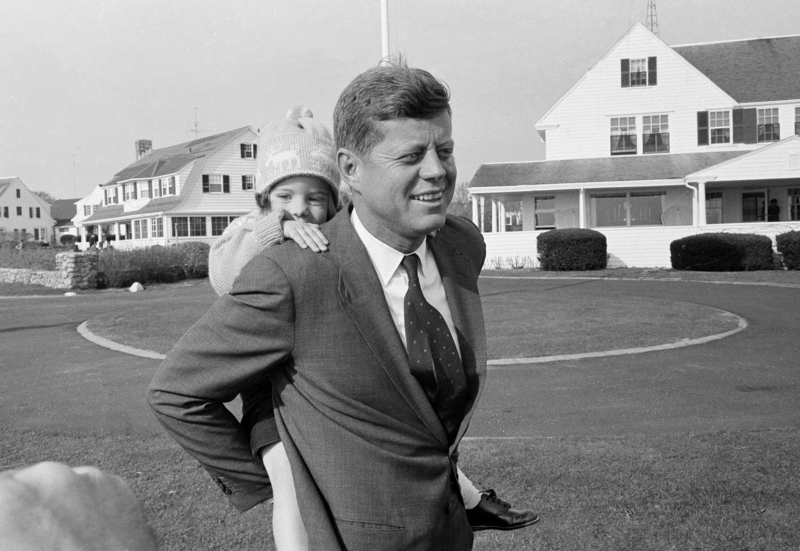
(428, 197)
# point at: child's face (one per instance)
(304, 197)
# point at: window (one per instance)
(140, 229)
(714, 207)
(112, 196)
(637, 208)
(513, 210)
(544, 212)
(145, 189)
(769, 129)
(19, 211)
(36, 234)
(197, 226)
(87, 210)
(638, 72)
(5, 212)
(623, 135)
(38, 212)
(655, 138)
(248, 182)
(797, 120)
(19, 196)
(157, 227)
(129, 191)
(719, 124)
(216, 183)
(794, 204)
(219, 223)
(248, 150)
(30, 212)
(180, 226)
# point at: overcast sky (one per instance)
(81, 80)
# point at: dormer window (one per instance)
(638, 72)
(248, 150)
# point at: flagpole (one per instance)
(384, 29)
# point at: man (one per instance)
(371, 430)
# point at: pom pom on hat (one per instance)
(297, 146)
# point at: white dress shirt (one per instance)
(394, 279)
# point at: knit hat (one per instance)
(297, 146)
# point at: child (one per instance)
(297, 188)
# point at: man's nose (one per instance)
(432, 168)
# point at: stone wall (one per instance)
(73, 271)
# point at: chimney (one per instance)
(143, 147)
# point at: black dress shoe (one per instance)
(492, 513)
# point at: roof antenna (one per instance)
(196, 131)
(652, 19)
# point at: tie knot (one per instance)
(411, 263)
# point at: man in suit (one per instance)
(371, 430)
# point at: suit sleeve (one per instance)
(232, 347)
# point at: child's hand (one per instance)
(305, 235)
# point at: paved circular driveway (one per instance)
(55, 379)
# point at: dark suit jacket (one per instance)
(370, 458)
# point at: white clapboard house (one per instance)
(23, 214)
(655, 143)
(186, 192)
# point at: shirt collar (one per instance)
(386, 259)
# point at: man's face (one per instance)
(407, 181)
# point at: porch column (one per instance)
(701, 203)
(475, 217)
(494, 215)
(116, 232)
(582, 208)
(501, 216)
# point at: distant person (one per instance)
(52, 507)
(774, 211)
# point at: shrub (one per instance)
(67, 240)
(31, 256)
(156, 264)
(572, 249)
(789, 246)
(722, 252)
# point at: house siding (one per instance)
(26, 201)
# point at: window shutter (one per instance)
(205, 183)
(255, 151)
(241, 150)
(750, 123)
(652, 79)
(150, 188)
(626, 73)
(702, 128)
(226, 183)
(244, 183)
(738, 126)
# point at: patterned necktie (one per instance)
(432, 353)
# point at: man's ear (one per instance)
(350, 167)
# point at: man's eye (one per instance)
(445, 153)
(412, 156)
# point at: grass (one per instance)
(723, 491)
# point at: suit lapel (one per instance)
(361, 295)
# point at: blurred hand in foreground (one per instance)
(50, 506)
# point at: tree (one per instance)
(46, 196)
(461, 205)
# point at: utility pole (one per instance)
(652, 18)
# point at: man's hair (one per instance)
(390, 91)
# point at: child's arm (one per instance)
(242, 240)
(248, 235)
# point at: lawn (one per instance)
(721, 491)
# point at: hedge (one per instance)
(789, 246)
(722, 252)
(156, 264)
(572, 249)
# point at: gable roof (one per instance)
(63, 209)
(111, 212)
(169, 160)
(5, 183)
(601, 169)
(761, 69)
